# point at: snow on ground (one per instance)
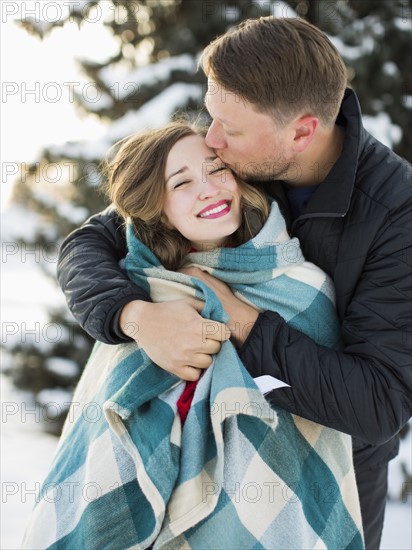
(397, 531)
(26, 454)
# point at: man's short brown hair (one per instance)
(284, 66)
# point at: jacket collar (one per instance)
(332, 197)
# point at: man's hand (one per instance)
(242, 316)
(174, 335)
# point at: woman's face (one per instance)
(202, 199)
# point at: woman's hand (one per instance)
(242, 316)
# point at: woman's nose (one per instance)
(209, 188)
(214, 137)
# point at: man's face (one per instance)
(248, 141)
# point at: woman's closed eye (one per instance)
(180, 183)
(219, 169)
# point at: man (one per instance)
(281, 114)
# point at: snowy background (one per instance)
(29, 123)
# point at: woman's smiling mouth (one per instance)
(217, 210)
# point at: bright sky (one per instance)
(36, 104)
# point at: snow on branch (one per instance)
(152, 114)
(121, 80)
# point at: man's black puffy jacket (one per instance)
(357, 227)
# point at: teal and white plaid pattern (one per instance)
(242, 474)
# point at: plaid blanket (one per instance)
(241, 474)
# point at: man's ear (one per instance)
(305, 129)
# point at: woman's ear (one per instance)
(305, 129)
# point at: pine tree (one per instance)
(152, 75)
(375, 40)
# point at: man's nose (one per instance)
(214, 137)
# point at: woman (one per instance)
(215, 466)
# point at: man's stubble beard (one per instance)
(266, 171)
